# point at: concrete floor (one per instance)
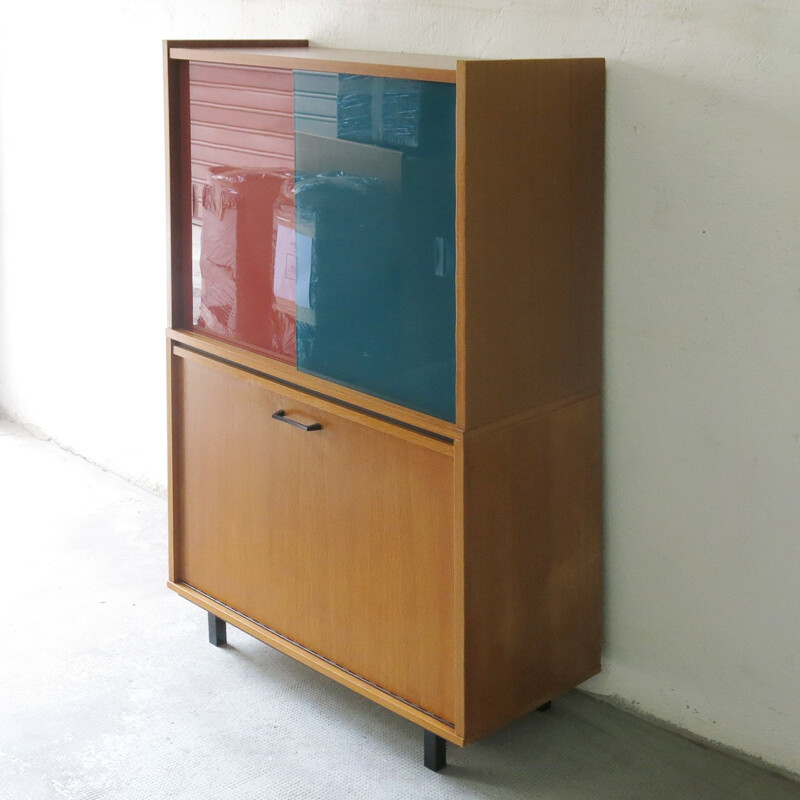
(109, 689)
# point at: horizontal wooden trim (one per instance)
(317, 663)
(319, 59)
(536, 411)
(321, 403)
(282, 372)
(286, 372)
(232, 43)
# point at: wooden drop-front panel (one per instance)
(339, 539)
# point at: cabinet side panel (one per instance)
(173, 405)
(179, 232)
(531, 136)
(458, 587)
(533, 520)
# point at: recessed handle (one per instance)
(280, 415)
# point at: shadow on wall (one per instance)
(702, 455)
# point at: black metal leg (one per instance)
(217, 633)
(435, 751)
(545, 706)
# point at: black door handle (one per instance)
(280, 415)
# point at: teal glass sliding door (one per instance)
(375, 236)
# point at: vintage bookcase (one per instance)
(384, 360)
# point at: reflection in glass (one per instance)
(323, 210)
(242, 154)
(375, 240)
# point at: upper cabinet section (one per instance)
(420, 230)
(322, 211)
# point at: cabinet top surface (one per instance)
(323, 58)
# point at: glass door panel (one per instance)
(375, 236)
(323, 211)
(242, 165)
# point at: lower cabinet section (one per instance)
(457, 583)
(334, 531)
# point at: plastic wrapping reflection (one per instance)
(324, 225)
(375, 215)
(242, 153)
(248, 221)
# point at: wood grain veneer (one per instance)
(174, 404)
(530, 234)
(353, 682)
(532, 563)
(340, 540)
(449, 571)
(355, 62)
(286, 372)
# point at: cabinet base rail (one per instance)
(434, 747)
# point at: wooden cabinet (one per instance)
(385, 368)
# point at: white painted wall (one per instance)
(703, 295)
